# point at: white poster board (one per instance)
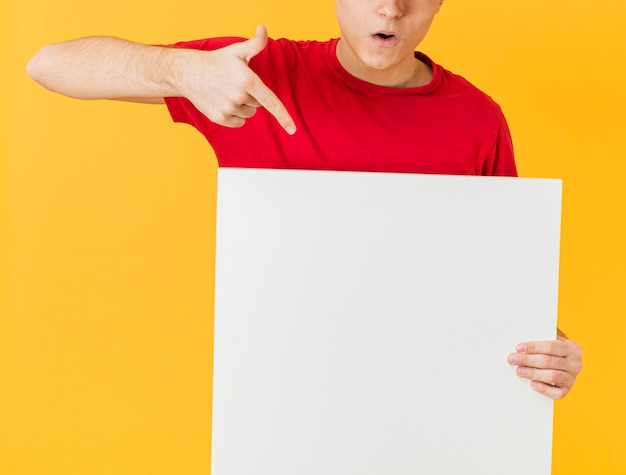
(362, 323)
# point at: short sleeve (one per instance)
(500, 160)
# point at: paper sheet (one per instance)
(362, 323)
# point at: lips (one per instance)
(386, 38)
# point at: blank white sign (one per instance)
(363, 320)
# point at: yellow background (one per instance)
(107, 215)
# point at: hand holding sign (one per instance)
(551, 366)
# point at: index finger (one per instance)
(272, 103)
(550, 347)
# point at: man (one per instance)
(363, 102)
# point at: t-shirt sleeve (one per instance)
(500, 160)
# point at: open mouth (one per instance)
(385, 38)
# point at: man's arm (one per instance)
(105, 68)
(219, 83)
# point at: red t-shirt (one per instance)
(344, 123)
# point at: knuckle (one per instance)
(552, 346)
(229, 109)
(560, 377)
(544, 361)
(554, 362)
(237, 96)
(220, 117)
(577, 367)
(578, 351)
(247, 82)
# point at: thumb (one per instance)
(254, 45)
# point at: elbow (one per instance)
(54, 68)
(36, 67)
(47, 69)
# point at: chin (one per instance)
(378, 64)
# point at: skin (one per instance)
(378, 38)
(233, 91)
(551, 366)
(219, 83)
(377, 44)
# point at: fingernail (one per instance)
(513, 359)
(522, 348)
(522, 371)
(290, 130)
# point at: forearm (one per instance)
(219, 83)
(106, 68)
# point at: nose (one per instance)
(390, 9)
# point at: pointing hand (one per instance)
(222, 86)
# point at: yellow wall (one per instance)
(107, 215)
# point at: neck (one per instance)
(409, 72)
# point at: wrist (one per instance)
(175, 67)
